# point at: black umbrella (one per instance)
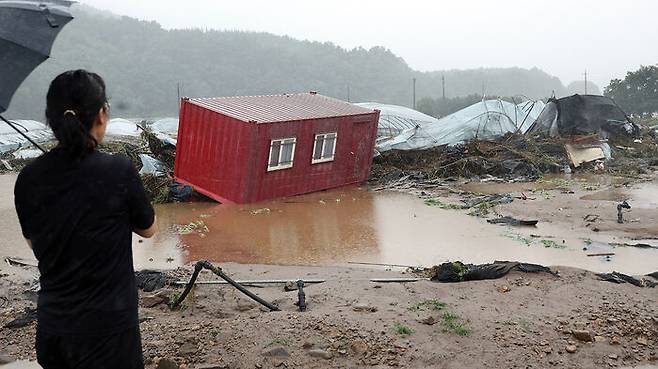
(27, 32)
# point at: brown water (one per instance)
(339, 226)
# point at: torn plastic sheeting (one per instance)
(168, 126)
(395, 120)
(27, 154)
(151, 165)
(484, 120)
(122, 127)
(165, 139)
(11, 140)
(459, 272)
(387, 143)
(150, 280)
(620, 278)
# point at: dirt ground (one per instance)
(518, 321)
(574, 320)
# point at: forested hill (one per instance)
(143, 64)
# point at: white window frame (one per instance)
(315, 144)
(292, 158)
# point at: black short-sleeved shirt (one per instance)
(79, 215)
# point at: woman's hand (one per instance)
(147, 233)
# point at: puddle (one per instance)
(340, 226)
(587, 181)
(345, 225)
(641, 196)
(491, 188)
(612, 194)
(645, 196)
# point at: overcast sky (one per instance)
(562, 37)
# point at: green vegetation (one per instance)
(403, 330)
(442, 205)
(453, 323)
(519, 237)
(482, 209)
(431, 304)
(173, 298)
(197, 226)
(552, 244)
(530, 241)
(279, 341)
(637, 93)
(144, 64)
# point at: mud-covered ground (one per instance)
(518, 321)
(574, 320)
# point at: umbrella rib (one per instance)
(26, 47)
(22, 134)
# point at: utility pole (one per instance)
(585, 81)
(443, 86)
(178, 91)
(414, 79)
(348, 93)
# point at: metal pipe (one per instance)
(381, 264)
(301, 296)
(398, 280)
(254, 281)
(203, 264)
(310, 281)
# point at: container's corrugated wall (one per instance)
(352, 162)
(212, 153)
(226, 159)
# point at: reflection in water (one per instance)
(308, 229)
(350, 224)
(353, 224)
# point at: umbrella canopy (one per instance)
(27, 32)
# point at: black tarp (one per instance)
(459, 272)
(583, 115)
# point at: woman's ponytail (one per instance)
(73, 102)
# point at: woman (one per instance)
(78, 208)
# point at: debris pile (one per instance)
(459, 272)
(513, 156)
(152, 152)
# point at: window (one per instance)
(324, 148)
(282, 154)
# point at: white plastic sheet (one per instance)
(28, 153)
(484, 120)
(168, 126)
(151, 165)
(122, 127)
(11, 140)
(395, 119)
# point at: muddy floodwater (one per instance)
(347, 225)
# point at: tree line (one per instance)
(637, 93)
(146, 66)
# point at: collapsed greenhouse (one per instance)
(406, 129)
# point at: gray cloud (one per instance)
(561, 37)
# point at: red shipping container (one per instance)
(253, 148)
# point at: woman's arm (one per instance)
(146, 233)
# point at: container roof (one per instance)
(280, 108)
